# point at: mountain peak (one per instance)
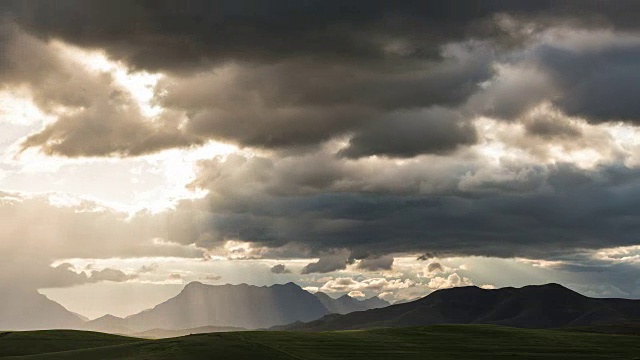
(194, 284)
(551, 289)
(290, 284)
(108, 317)
(548, 286)
(236, 305)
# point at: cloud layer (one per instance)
(363, 130)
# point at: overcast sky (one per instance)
(372, 147)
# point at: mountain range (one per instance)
(208, 308)
(542, 306)
(346, 304)
(233, 306)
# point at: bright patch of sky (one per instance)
(152, 182)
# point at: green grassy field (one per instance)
(433, 342)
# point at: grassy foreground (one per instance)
(433, 342)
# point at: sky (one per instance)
(353, 147)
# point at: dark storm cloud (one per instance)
(398, 80)
(182, 34)
(599, 83)
(286, 74)
(304, 102)
(575, 209)
(328, 263)
(376, 263)
(426, 256)
(433, 131)
(178, 35)
(591, 74)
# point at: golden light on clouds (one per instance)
(140, 84)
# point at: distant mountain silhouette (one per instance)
(346, 304)
(30, 310)
(231, 306)
(81, 317)
(108, 324)
(243, 305)
(543, 306)
(375, 303)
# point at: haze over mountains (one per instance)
(239, 306)
(207, 308)
(346, 304)
(30, 310)
(543, 306)
(196, 307)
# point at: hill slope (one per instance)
(544, 306)
(20, 343)
(164, 334)
(435, 342)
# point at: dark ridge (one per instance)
(534, 306)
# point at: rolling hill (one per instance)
(164, 333)
(434, 342)
(543, 306)
(24, 343)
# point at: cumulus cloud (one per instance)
(65, 274)
(387, 296)
(280, 269)
(347, 284)
(453, 280)
(113, 275)
(435, 268)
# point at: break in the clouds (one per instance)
(358, 132)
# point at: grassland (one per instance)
(433, 342)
